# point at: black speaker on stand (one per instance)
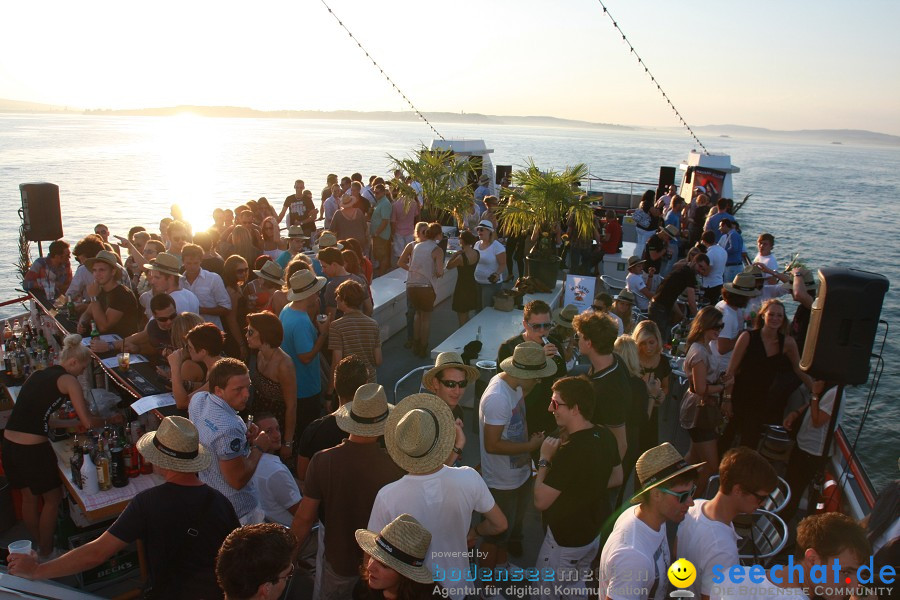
(40, 212)
(666, 178)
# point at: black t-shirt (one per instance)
(661, 370)
(700, 214)
(612, 395)
(298, 209)
(636, 419)
(320, 434)
(159, 339)
(122, 299)
(654, 244)
(580, 471)
(537, 417)
(678, 280)
(799, 326)
(182, 564)
(38, 399)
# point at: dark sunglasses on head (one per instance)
(166, 319)
(449, 383)
(682, 497)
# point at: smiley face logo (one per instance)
(682, 573)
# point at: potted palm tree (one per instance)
(539, 201)
(444, 179)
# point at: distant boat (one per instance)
(838, 143)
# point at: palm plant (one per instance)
(444, 180)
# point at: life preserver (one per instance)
(831, 495)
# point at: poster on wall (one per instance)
(711, 181)
(580, 290)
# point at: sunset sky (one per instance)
(781, 65)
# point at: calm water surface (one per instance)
(836, 205)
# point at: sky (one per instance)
(774, 64)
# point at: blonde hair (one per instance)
(626, 348)
(182, 324)
(647, 329)
(73, 348)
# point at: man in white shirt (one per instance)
(718, 256)
(164, 276)
(279, 495)
(707, 537)
(829, 550)
(764, 244)
(419, 435)
(636, 284)
(635, 558)
(207, 286)
(331, 205)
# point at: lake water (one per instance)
(834, 204)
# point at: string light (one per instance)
(386, 76)
(652, 78)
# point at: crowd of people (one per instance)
(244, 321)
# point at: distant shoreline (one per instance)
(825, 136)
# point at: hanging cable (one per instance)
(652, 78)
(385, 75)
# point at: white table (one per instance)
(389, 299)
(39, 589)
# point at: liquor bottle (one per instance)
(118, 472)
(104, 476)
(17, 329)
(89, 474)
(132, 460)
(71, 312)
(76, 462)
(95, 333)
(7, 332)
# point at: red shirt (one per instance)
(614, 230)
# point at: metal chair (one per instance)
(411, 375)
(763, 536)
(774, 502)
(613, 285)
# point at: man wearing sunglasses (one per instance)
(636, 558)
(448, 380)
(537, 323)
(707, 536)
(153, 339)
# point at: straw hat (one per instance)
(165, 263)
(528, 361)
(401, 545)
(755, 271)
(447, 360)
(484, 179)
(744, 285)
(367, 414)
(625, 296)
(671, 231)
(272, 272)
(104, 256)
(175, 446)
(563, 316)
(296, 232)
(347, 200)
(420, 432)
(328, 240)
(634, 261)
(658, 465)
(485, 224)
(809, 282)
(304, 284)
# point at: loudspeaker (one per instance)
(666, 178)
(40, 211)
(843, 324)
(503, 171)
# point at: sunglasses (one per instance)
(166, 319)
(556, 404)
(681, 496)
(451, 384)
(547, 325)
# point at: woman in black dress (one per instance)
(655, 371)
(465, 294)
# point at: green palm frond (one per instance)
(444, 179)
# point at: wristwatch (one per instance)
(543, 463)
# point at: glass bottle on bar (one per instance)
(95, 333)
(104, 475)
(118, 472)
(76, 463)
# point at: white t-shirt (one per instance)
(185, 301)
(748, 590)
(733, 321)
(210, 291)
(619, 323)
(634, 283)
(634, 561)
(705, 543)
(277, 489)
(769, 261)
(811, 439)
(503, 405)
(487, 263)
(718, 256)
(443, 503)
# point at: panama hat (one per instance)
(103, 256)
(658, 465)
(634, 261)
(165, 263)
(175, 446)
(328, 240)
(447, 360)
(625, 296)
(347, 200)
(272, 272)
(304, 284)
(755, 271)
(563, 316)
(809, 282)
(366, 414)
(401, 545)
(295, 232)
(419, 434)
(670, 230)
(744, 284)
(528, 361)
(484, 179)
(485, 224)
